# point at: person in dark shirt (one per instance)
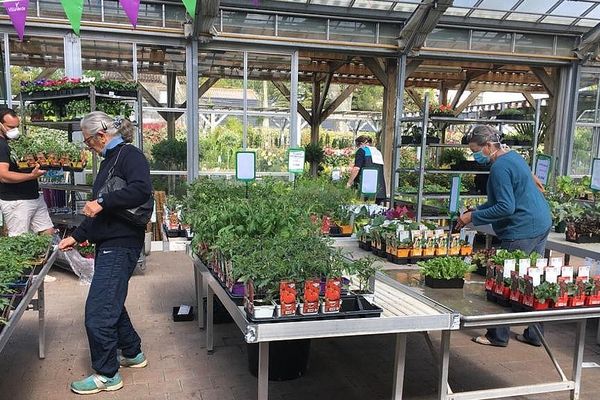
(368, 156)
(118, 246)
(23, 209)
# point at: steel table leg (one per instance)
(199, 297)
(578, 358)
(399, 365)
(263, 371)
(209, 320)
(444, 365)
(41, 321)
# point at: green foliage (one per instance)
(313, 153)
(170, 154)
(502, 255)
(511, 112)
(364, 269)
(368, 98)
(546, 291)
(445, 267)
(452, 156)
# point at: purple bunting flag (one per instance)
(132, 8)
(17, 11)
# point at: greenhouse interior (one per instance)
(424, 173)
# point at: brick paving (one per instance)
(180, 368)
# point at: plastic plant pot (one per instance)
(402, 253)
(455, 283)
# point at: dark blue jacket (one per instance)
(109, 230)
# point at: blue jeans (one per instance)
(106, 320)
(537, 244)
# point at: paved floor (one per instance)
(179, 367)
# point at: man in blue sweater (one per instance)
(516, 209)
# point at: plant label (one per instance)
(509, 266)
(583, 272)
(333, 295)
(524, 265)
(454, 195)
(557, 262)
(312, 288)
(551, 274)
(595, 183)
(245, 165)
(296, 160)
(542, 168)
(536, 275)
(542, 263)
(368, 181)
(439, 233)
(567, 272)
(183, 310)
(287, 298)
(403, 235)
(336, 175)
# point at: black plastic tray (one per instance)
(353, 306)
(238, 300)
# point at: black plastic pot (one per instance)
(406, 139)
(432, 139)
(455, 283)
(561, 227)
(288, 359)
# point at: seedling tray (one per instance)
(238, 300)
(353, 306)
(584, 239)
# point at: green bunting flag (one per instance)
(190, 6)
(73, 9)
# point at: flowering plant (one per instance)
(42, 85)
(442, 109)
(398, 213)
(86, 249)
(338, 157)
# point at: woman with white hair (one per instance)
(516, 209)
(118, 246)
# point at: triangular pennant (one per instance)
(74, 10)
(132, 8)
(190, 7)
(17, 11)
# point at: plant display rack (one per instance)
(426, 120)
(33, 95)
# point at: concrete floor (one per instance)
(179, 367)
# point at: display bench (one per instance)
(27, 303)
(404, 311)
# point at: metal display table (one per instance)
(476, 312)
(37, 286)
(404, 311)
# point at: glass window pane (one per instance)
(338, 3)
(536, 6)
(586, 98)
(587, 22)
(514, 16)
(388, 33)
(309, 28)
(174, 15)
(558, 20)
(351, 31)
(565, 46)
(446, 38)
(461, 12)
(497, 5)
(570, 8)
(581, 160)
(491, 41)
(402, 7)
(487, 14)
(535, 44)
(248, 23)
(373, 4)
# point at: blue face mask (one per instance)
(481, 158)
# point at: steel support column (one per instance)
(566, 103)
(245, 104)
(400, 79)
(294, 134)
(192, 77)
(7, 76)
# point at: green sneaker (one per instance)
(138, 361)
(97, 383)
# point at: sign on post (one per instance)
(595, 185)
(455, 196)
(543, 166)
(368, 182)
(245, 166)
(296, 160)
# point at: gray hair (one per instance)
(483, 134)
(98, 121)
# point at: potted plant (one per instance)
(364, 271)
(465, 248)
(511, 114)
(428, 246)
(593, 292)
(441, 246)
(403, 248)
(310, 297)
(444, 272)
(543, 294)
(576, 292)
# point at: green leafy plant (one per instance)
(546, 291)
(364, 269)
(445, 268)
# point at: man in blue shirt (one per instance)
(516, 209)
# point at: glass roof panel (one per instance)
(373, 4)
(405, 7)
(536, 6)
(497, 5)
(570, 8)
(523, 17)
(558, 20)
(587, 22)
(595, 13)
(461, 12)
(464, 3)
(336, 3)
(487, 14)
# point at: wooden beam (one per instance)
(412, 66)
(337, 102)
(285, 91)
(206, 85)
(472, 96)
(323, 96)
(415, 97)
(529, 99)
(46, 73)
(544, 79)
(376, 69)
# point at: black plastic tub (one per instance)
(288, 359)
(455, 283)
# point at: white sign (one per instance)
(524, 264)
(536, 274)
(455, 195)
(336, 175)
(542, 168)
(584, 271)
(595, 185)
(509, 266)
(245, 165)
(567, 272)
(557, 262)
(541, 262)
(296, 161)
(552, 274)
(368, 181)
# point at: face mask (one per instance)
(481, 158)
(13, 133)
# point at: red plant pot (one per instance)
(592, 301)
(515, 295)
(560, 302)
(490, 284)
(540, 306)
(527, 300)
(576, 301)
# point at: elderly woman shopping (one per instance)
(116, 225)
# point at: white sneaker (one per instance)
(49, 278)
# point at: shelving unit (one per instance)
(422, 148)
(70, 126)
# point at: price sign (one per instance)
(368, 181)
(296, 160)
(454, 195)
(595, 185)
(542, 168)
(245, 165)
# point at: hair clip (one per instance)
(117, 122)
(104, 127)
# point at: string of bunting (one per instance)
(17, 12)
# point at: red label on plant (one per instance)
(287, 297)
(311, 296)
(333, 294)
